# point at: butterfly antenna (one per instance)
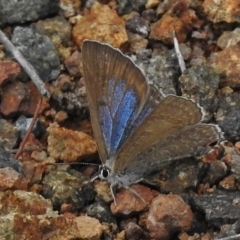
(77, 163)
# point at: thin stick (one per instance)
(29, 129)
(29, 69)
(179, 54)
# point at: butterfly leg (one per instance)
(112, 192)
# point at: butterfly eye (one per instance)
(104, 173)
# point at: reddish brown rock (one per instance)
(72, 64)
(229, 183)
(8, 71)
(70, 227)
(13, 97)
(69, 145)
(22, 214)
(103, 190)
(11, 179)
(137, 42)
(24, 202)
(88, 228)
(215, 153)
(226, 64)
(167, 215)
(100, 23)
(28, 214)
(179, 19)
(20, 98)
(222, 11)
(196, 236)
(60, 116)
(35, 162)
(128, 202)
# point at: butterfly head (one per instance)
(104, 172)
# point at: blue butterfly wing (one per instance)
(158, 134)
(137, 133)
(118, 95)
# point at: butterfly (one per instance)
(137, 130)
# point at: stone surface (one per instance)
(231, 125)
(100, 23)
(23, 123)
(228, 38)
(220, 207)
(11, 179)
(137, 42)
(128, 203)
(150, 15)
(235, 165)
(101, 211)
(7, 160)
(19, 98)
(9, 70)
(39, 51)
(127, 6)
(69, 96)
(200, 83)
(21, 213)
(103, 191)
(222, 11)
(28, 216)
(13, 98)
(25, 11)
(133, 231)
(167, 215)
(161, 68)
(228, 115)
(61, 39)
(216, 171)
(152, 3)
(229, 183)
(70, 7)
(226, 63)
(89, 228)
(137, 25)
(72, 64)
(179, 19)
(60, 116)
(9, 135)
(229, 231)
(64, 186)
(227, 104)
(69, 145)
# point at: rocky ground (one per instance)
(196, 198)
